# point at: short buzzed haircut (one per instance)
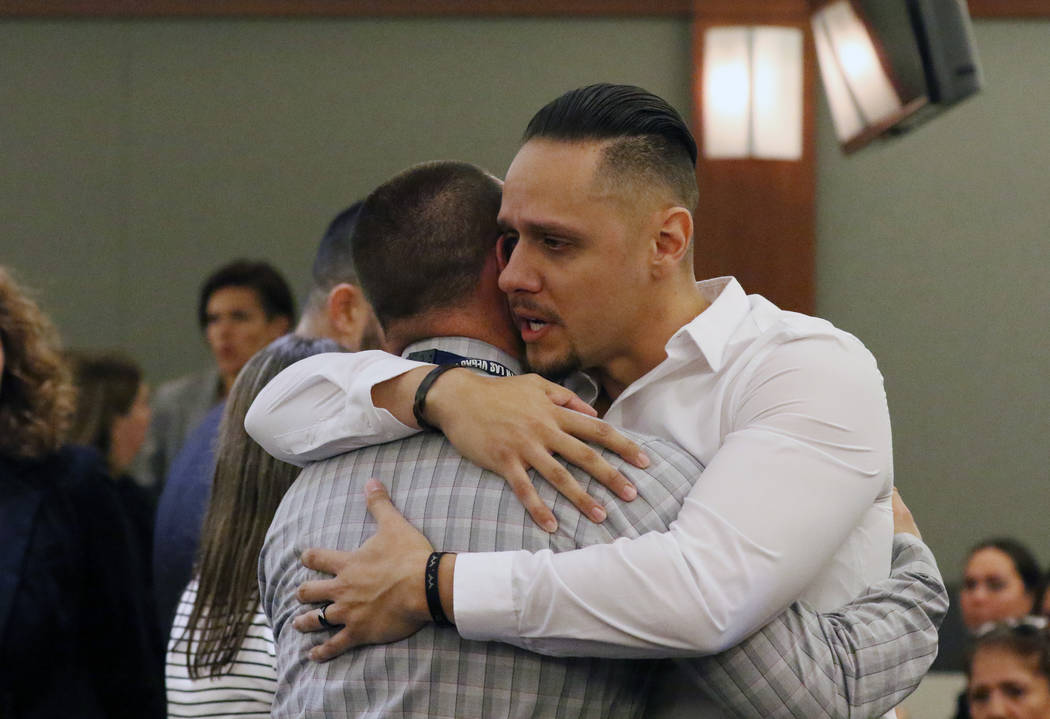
(334, 264)
(648, 140)
(423, 237)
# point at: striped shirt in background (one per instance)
(245, 691)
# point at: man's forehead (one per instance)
(566, 154)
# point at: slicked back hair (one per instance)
(423, 237)
(648, 140)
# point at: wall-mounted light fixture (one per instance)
(888, 66)
(752, 92)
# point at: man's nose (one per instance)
(223, 328)
(518, 273)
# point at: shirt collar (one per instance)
(711, 330)
(466, 347)
(585, 386)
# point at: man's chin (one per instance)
(553, 368)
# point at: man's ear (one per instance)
(672, 239)
(348, 314)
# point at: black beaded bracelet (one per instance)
(421, 394)
(430, 584)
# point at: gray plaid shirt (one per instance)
(855, 663)
(459, 507)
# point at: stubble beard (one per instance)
(555, 369)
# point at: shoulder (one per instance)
(778, 347)
(71, 469)
(181, 389)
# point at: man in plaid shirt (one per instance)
(800, 662)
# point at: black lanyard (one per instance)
(491, 367)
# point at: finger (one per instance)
(329, 561)
(521, 485)
(561, 479)
(308, 621)
(566, 398)
(316, 591)
(605, 435)
(379, 504)
(569, 400)
(333, 646)
(593, 463)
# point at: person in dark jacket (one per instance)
(74, 632)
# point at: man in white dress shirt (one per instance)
(787, 412)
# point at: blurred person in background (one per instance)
(112, 415)
(221, 659)
(243, 306)
(73, 640)
(336, 307)
(1045, 609)
(1008, 676)
(1001, 580)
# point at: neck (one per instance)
(457, 322)
(646, 348)
(313, 325)
(225, 383)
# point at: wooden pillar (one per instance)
(756, 218)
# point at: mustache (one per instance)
(522, 305)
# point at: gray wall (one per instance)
(138, 155)
(935, 250)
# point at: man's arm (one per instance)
(859, 661)
(321, 406)
(804, 460)
(332, 403)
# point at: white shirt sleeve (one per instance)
(322, 406)
(806, 454)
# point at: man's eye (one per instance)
(1015, 691)
(553, 243)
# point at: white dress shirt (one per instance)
(788, 414)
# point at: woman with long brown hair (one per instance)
(112, 415)
(74, 640)
(221, 655)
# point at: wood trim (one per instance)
(340, 8)
(723, 10)
(1010, 8)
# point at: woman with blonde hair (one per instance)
(221, 659)
(73, 640)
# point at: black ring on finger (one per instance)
(324, 620)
